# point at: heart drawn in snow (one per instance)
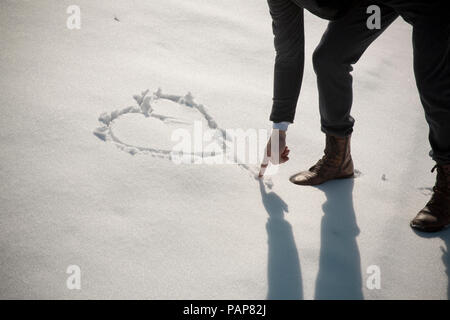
(147, 128)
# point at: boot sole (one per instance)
(428, 229)
(317, 184)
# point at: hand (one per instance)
(273, 153)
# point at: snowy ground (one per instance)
(142, 227)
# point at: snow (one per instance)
(141, 226)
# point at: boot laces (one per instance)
(441, 190)
(330, 158)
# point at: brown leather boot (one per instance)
(436, 214)
(335, 164)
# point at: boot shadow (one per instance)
(283, 267)
(445, 236)
(339, 275)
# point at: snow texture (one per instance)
(143, 227)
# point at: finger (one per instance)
(284, 159)
(266, 159)
(264, 164)
(262, 170)
(284, 154)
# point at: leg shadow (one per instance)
(339, 274)
(445, 236)
(284, 275)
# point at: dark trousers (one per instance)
(343, 43)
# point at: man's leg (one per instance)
(289, 40)
(431, 44)
(342, 45)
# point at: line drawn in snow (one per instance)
(427, 191)
(146, 108)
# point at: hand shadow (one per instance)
(284, 275)
(444, 235)
(339, 275)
